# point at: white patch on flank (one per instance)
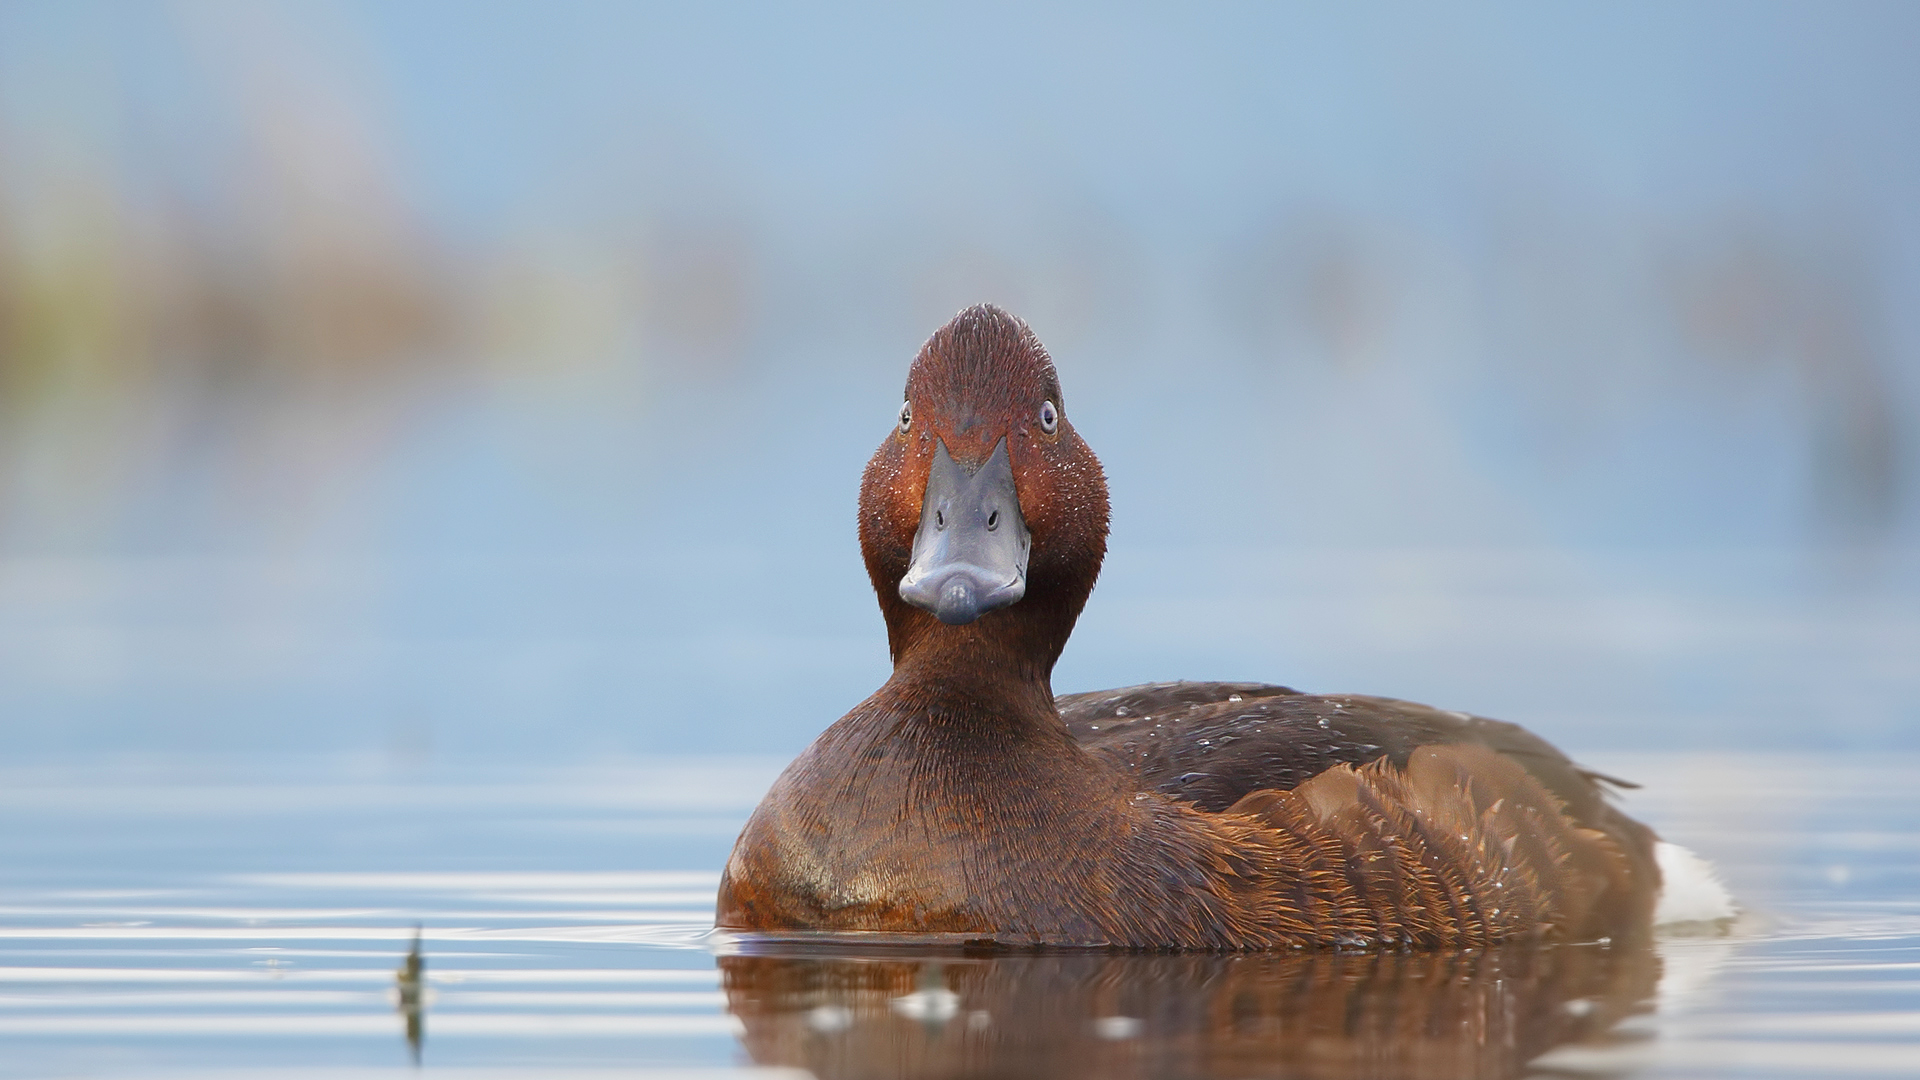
(1689, 889)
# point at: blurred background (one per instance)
(410, 386)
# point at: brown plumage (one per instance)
(962, 798)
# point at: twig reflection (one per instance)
(411, 1003)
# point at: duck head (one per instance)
(983, 516)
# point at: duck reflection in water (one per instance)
(1469, 1013)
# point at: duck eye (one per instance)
(1049, 417)
(906, 415)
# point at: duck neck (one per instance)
(1000, 664)
(986, 671)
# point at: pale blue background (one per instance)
(1552, 362)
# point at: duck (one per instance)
(964, 801)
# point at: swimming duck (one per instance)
(964, 798)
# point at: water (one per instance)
(247, 918)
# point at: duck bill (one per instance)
(970, 555)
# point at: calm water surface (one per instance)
(256, 919)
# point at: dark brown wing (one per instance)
(1213, 744)
(1158, 699)
(1461, 846)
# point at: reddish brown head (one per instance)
(983, 517)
